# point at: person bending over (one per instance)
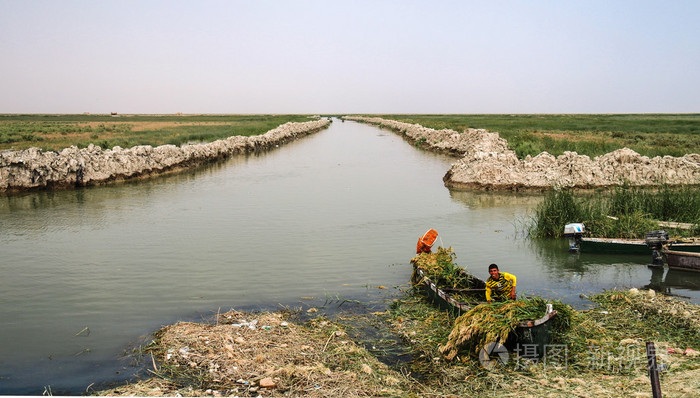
(500, 286)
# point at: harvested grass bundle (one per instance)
(599, 355)
(482, 324)
(493, 322)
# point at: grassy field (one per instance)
(592, 135)
(55, 132)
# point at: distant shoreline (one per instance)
(486, 163)
(34, 169)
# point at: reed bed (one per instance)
(624, 212)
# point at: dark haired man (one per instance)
(500, 285)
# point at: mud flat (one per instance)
(33, 169)
(487, 163)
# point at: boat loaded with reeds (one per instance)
(515, 325)
(446, 284)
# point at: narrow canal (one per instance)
(88, 274)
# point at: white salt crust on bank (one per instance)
(72, 167)
(487, 163)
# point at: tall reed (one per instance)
(624, 212)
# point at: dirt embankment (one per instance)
(72, 167)
(487, 163)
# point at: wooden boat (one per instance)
(685, 245)
(534, 334)
(653, 241)
(682, 260)
(632, 246)
(446, 298)
(613, 246)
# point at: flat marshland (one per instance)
(587, 134)
(592, 135)
(55, 132)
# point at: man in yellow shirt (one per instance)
(500, 284)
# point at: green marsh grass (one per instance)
(588, 134)
(490, 322)
(55, 132)
(624, 212)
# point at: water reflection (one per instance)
(329, 215)
(487, 199)
(669, 280)
(580, 269)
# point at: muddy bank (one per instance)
(487, 163)
(276, 354)
(32, 168)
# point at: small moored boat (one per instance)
(614, 246)
(682, 260)
(653, 240)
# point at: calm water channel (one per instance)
(87, 274)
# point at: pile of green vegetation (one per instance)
(602, 349)
(494, 322)
(485, 322)
(441, 269)
(593, 135)
(624, 212)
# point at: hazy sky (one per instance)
(349, 56)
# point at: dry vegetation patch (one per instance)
(262, 354)
(145, 126)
